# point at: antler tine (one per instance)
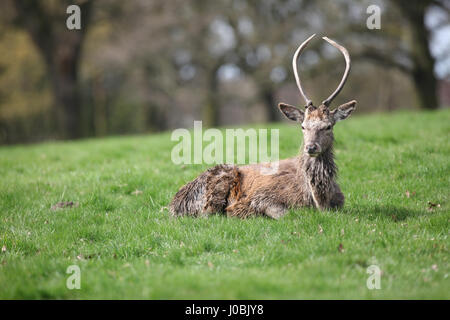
(346, 72)
(294, 66)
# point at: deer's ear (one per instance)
(291, 112)
(343, 111)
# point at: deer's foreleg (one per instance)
(321, 194)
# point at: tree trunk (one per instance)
(63, 70)
(422, 73)
(268, 97)
(211, 108)
(211, 112)
(61, 50)
(425, 85)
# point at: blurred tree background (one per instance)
(146, 66)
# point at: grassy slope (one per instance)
(128, 248)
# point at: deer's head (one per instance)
(318, 122)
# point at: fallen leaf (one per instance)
(4, 248)
(80, 257)
(434, 267)
(64, 204)
(210, 264)
(432, 205)
(341, 248)
(410, 194)
(136, 192)
(320, 229)
(342, 232)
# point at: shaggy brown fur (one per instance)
(306, 180)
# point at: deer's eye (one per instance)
(303, 128)
(328, 128)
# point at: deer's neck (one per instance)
(319, 168)
(319, 174)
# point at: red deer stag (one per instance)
(308, 179)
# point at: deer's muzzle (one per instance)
(313, 149)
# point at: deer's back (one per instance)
(257, 190)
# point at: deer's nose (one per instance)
(312, 148)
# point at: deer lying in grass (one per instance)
(308, 179)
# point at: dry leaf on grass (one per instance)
(64, 204)
(341, 248)
(432, 205)
(410, 194)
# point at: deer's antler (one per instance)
(347, 70)
(294, 66)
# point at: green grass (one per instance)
(127, 247)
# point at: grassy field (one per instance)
(392, 166)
